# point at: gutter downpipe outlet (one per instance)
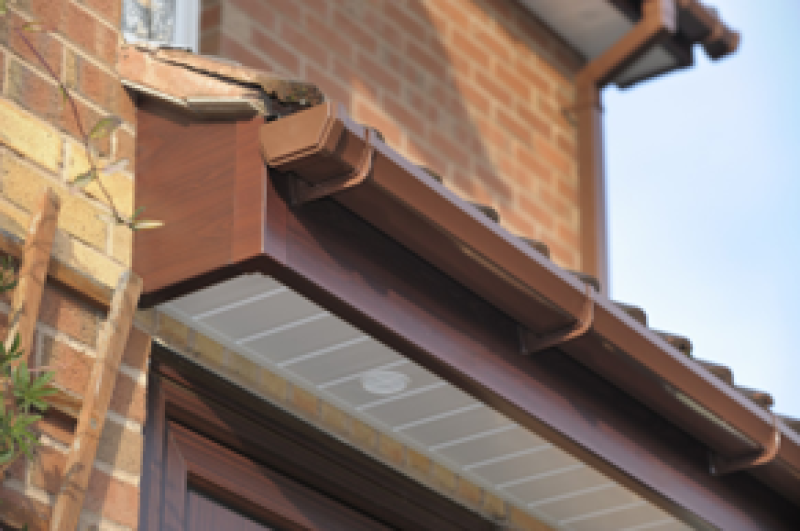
(659, 20)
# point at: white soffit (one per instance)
(592, 27)
(279, 329)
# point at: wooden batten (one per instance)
(35, 260)
(111, 345)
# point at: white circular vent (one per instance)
(383, 382)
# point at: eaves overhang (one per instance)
(592, 27)
(227, 215)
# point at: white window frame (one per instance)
(187, 27)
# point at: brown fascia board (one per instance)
(320, 146)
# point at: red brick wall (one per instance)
(474, 89)
(40, 146)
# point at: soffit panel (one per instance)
(592, 27)
(279, 329)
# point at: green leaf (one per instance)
(83, 180)
(147, 224)
(105, 127)
(3, 8)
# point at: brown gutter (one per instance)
(660, 21)
(325, 150)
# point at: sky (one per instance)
(703, 177)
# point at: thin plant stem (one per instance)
(86, 140)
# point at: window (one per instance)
(218, 458)
(173, 23)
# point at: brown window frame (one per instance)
(193, 413)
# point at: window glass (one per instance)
(166, 22)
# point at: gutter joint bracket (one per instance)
(720, 466)
(303, 192)
(531, 344)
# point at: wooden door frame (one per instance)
(201, 404)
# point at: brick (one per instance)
(496, 90)
(239, 23)
(277, 53)
(454, 12)
(173, 332)
(19, 510)
(72, 368)
(552, 156)
(259, 12)
(374, 73)
(210, 43)
(24, 185)
(513, 125)
(304, 402)
(234, 50)
(417, 463)
(432, 63)
(469, 492)
(273, 385)
(114, 499)
(88, 260)
(363, 435)
(494, 506)
(45, 44)
(118, 185)
(306, 44)
(120, 448)
(245, 370)
(361, 38)
(494, 46)
(412, 27)
(128, 398)
(332, 87)
(109, 10)
(519, 86)
(63, 311)
(401, 114)
(208, 350)
(98, 85)
(122, 244)
(498, 187)
(336, 42)
(89, 34)
(524, 521)
(58, 426)
(461, 44)
(334, 418)
(125, 148)
(391, 450)
(443, 478)
(211, 17)
(46, 471)
(29, 136)
(366, 115)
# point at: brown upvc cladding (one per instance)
(226, 214)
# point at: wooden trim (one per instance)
(111, 345)
(75, 279)
(234, 418)
(33, 272)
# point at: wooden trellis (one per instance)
(36, 263)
